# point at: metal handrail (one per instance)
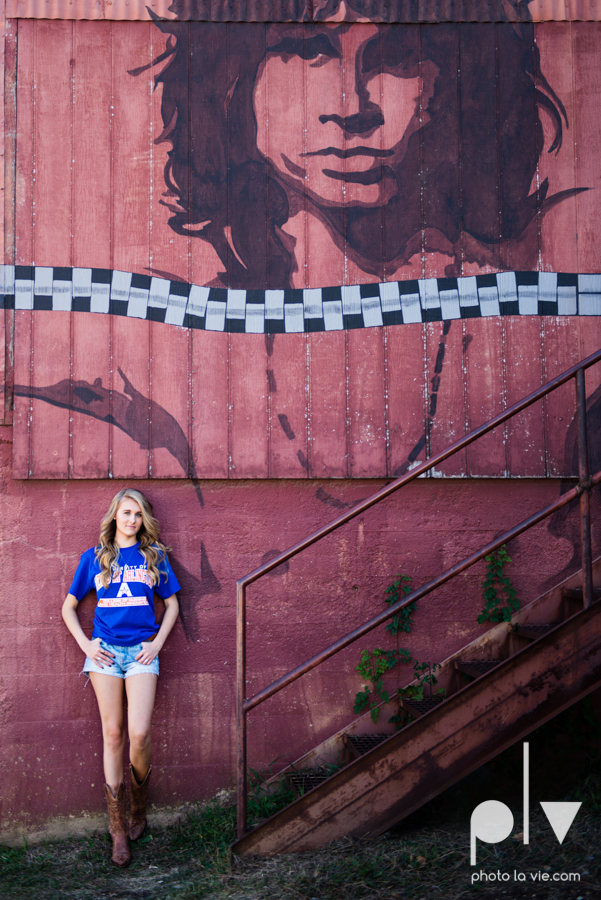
(582, 489)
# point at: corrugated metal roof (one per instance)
(311, 10)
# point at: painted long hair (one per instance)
(464, 181)
(153, 551)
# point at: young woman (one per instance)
(127, 567)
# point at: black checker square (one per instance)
(40, 302)
(180, 289)
(526, 278)
(470, 312)
(408, 287)
(191, 321)
(275, 326)
(486, 281)
(24, 273)
(118, 307)
(331, 294)
(316, 324)
(63, 273)
(567, 280)
(141, 282)
(353, 321)
(156, 313)
(447, 284)
(369, 290)
(510, 308)
(394, 317)
(81, 304)
(294, 295)
(102, 276)
(235, 326)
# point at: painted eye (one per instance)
(317, 47)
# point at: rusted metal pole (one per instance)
(585, 497)
(241, 780)
(364, 629)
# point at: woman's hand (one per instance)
(148, 652)
(99, 655)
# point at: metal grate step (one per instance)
(360, 744)
(475, 668)
(421, 707)
(306, 780)
(534, 632)
(576, 593)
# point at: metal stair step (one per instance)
(359, 744)
(576, 593)
(534, 632)
(421, 707)
(306, 779)
(475, 668)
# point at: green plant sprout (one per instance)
(399, 588)
(426, 680)
(501, 600)
(374, 664)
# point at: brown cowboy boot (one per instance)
(137, 804)
(117, 828)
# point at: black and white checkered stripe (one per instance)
(289, 311)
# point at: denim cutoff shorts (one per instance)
(124, 663)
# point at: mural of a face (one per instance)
(358, 113)
(391, 136)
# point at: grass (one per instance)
(426, 857)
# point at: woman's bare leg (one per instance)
(109, 694)
(141, 691)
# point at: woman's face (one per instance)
(333, 117)
(128, 521)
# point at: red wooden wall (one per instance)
(89, 186)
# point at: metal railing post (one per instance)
(585, 497)
(241, 785)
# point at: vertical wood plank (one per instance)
(526, 433)
(170, 391)
(406, 409)
(440, 154)
(286, 380)
(210, 401)
(53, 142)
(446, 404)
(559, 231)
(367, 423)
(91, 238)
(90, 441)
(92, 145)
(130, 382)
(562, 350)
(248, 407)
(25, 166)
(10, 118)
(49, 428)
(23, 403)
(24, 145)
(485, 380)
(327, 379)
(587, 136)
(131, 181)
(324, 264)
(481, 205)
(205, 264)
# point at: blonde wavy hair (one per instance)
(153, 551)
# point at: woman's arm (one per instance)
(90, 648)
(150, 649)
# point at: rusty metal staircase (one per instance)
(499, 687)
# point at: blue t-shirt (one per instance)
(125, 609)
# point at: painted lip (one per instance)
(372, 152)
